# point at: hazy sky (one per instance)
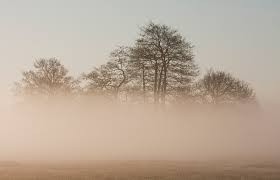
(239, 36)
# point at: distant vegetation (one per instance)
(159, 68)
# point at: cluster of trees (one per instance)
(158, 68)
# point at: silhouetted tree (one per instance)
(163, 53)
(108, 79)
(141, 74)
(48, 78)
(221, 87)
(159, 67)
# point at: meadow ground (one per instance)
(138, 170)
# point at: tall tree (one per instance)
(169, 55)
(140, 68)
(221, 87)
(49, 77)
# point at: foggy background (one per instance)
(241, 37)
(83, 130)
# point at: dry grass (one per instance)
(138, 170)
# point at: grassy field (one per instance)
(136, 170)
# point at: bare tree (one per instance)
(108, 79)
(169, 56)
(49, 77)
(140, 68)
(221, 87)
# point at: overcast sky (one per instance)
(239, 36)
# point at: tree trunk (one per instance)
(156, 97)
(164, 85)
(144, 83)
(159, 88)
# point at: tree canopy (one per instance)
(159, 67)
(165, 55)
(48, 77)
(221, 87)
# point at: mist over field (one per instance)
(79, 130)
(132, 90)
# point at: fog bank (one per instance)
(79, 130)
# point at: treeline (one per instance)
(159, 68)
